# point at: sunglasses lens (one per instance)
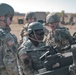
(40, 33)
(10, 18)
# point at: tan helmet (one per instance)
(52, 18)
(30, 15)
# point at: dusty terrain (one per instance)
(16, 28)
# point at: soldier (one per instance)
(30, 17)
(59, 36)
(28, 54)
(62, 20)
(8, 42)
(71, 22)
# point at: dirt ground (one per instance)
(16, 28)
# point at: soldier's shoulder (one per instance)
(2, 33)
(26, 44)
(14, 37)
(24, 47)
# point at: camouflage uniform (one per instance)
(10, 54)
(8, 44)
(23, 33)
(59, 36)
(28, 69)
(32, 64)
(24, 30)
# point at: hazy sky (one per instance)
(24, 6)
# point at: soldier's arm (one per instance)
(22, 32)
(46, 31)
(1, 56)
(23, 56)
(69, 37)
(2, 35)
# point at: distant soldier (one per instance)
(28, 53)
(59, 36)
(62, 20)
(8, 42)
(71, 20)
(30, 17)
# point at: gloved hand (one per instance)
(26, 59)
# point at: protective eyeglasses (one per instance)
(10, 17)
(39, 32)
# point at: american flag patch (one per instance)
(10, 42)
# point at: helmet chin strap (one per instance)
(35, 37)
(5, 20)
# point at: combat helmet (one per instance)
(30, 15)
(52, 18)
(6, 9)
(34, 26)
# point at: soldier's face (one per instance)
(53, 25)
(30, 20)
(2, 23)
(9, 20)
(39, 35)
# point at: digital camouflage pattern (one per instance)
(8, 43)
(23, 32)
(52, 18)
(26, 49)
(60, 37)
(9, 54)
(28, 53)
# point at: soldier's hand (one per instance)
(26, 59)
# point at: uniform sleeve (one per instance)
(22, 32)
(46, 31)
(22, 51)
(69, 37)
(1, 54)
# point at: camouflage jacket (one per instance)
(56, 37)
(27, 48)
(9, 46)
(23, 31)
